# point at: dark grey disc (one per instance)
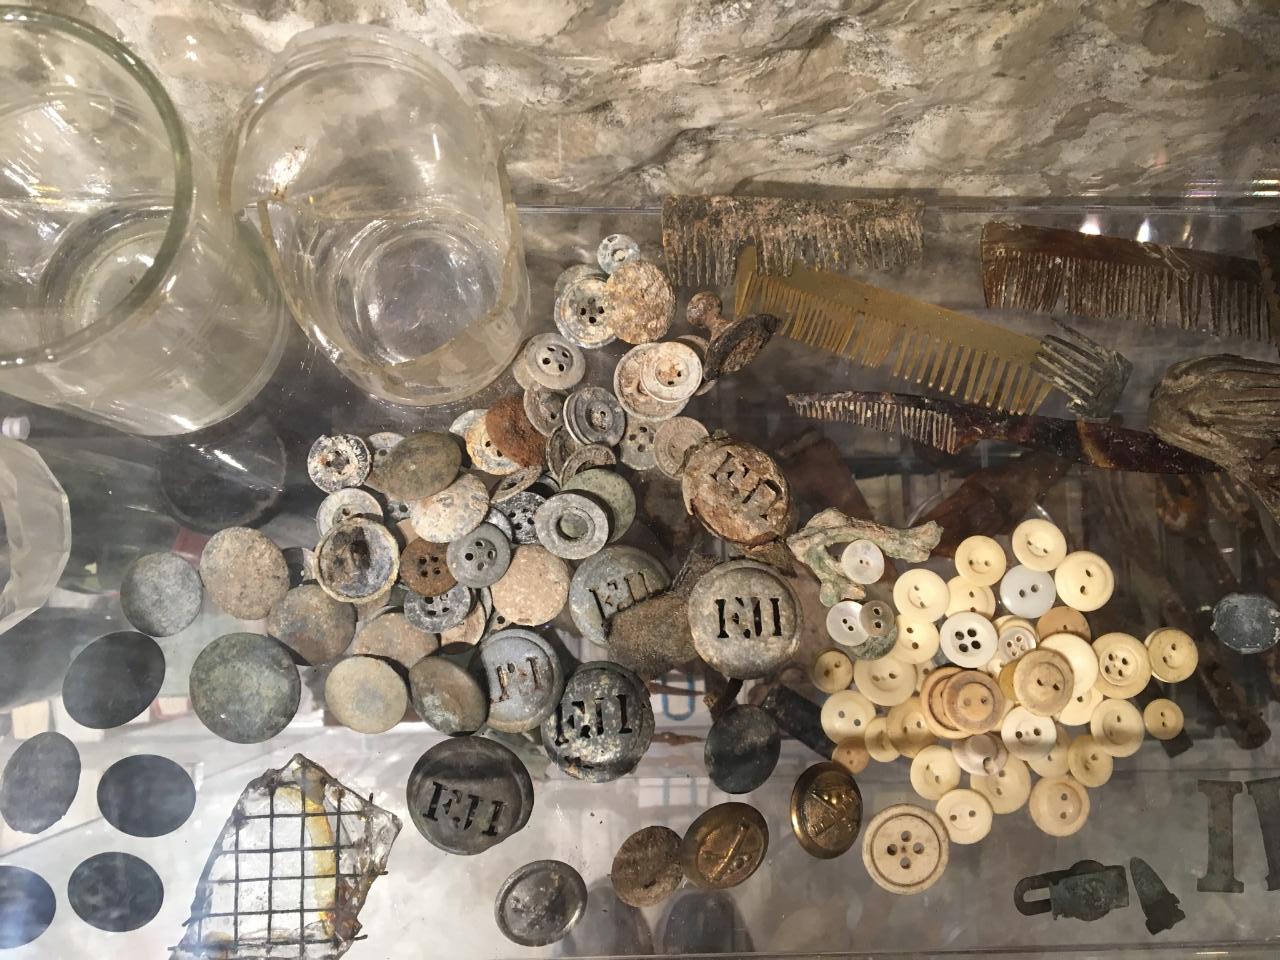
(27, 905)
(1247, 622)
(540, 903)
(244, 687)
(161, 594)
(146, 795)
(602, 724)
(742, 749)
(39, 783)
(469, 793)
(113, 680)
(116, 892)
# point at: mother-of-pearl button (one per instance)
(846, 714)
(1038, 544)
(966, 814)
(1163, 719)
(844, 625)
(1088, 762)
(1117, 726)
(1084, 581)
(887, 681)
(1124, 668)
(980, 560)
(921, 594)
(1059, 806)
(1173, 654)
(1027, 736)
(968, 639)
(1027, 593)
(862, 562)
(1007, 790)
(1016, 639)
(917, 640)
(934, 771)
(1079, 711)
(1054, 763)
(970, 597)
(878, 743)
(1081, 656)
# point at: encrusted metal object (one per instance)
(464, 421)
(1226, 409)
(724, 846)
(672, 440)
(652, 636)
(554, 362)
(290, 870)
(453, 512)
(311, 623)
(737, 491)
(1247, 623)
(646, 869)
(602, 725)
(244, 572)
(586, 457)
(365, 694)
(516, 483)
(391, 636)
(40, 781)
(342, 460)
(1085, 891)
(513, 432)
(447, 696)
(380, 444)
(161, 594)
(485, 454)
(535, 587)
(950, 427)
(524, 676)
(629, 374)
(480, 558)
(592, 415)
(560, 445)
(540, 903)
(670, 371)
(1091, 375)
(734, 343)
(545, 411)
(612, 492)
(637, 448)
(615, 250)
(343, 505)
(424, 569)
(580, 311)
(302, 565)
(357, 560)
(800, 717)
(420, 465)
(1112, 278)
(701, 236)
(812, 547)
(745, 619)
(442, 611)
(467, 794)
(611, 581)
(245, 687)
(520, 510)
(1220, 873)
(826, 810)
(639, 301)
(1159, 905)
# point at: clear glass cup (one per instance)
(126, 295)
(35, 532)
(386, 214)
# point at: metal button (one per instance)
(670, 372)
(545, 411)
(554, 362)
(422, 464)
(540, 903)
(612, 580)
(392, 637)
(338, 461)
(438, 613)
(700, 346)
(447, 697)
(1084, 581)
(302, 565)
(524, 678)
(311, 623)
(113, 680)
(453, 512)
(520, 510)
(513, 432)
(672, 440)
(826, 810)
(115, 892)
(1174, 655)
(1124, 667)
(1117, 727)
(231, 666)
(161, 594)
(424, 570)
(516, 483)
(534, 588)
(470, 630)
(464, 421)
(571, 526)
(380, 444)
(832, 671)
(610, 490)
(966, 814)
(580, 312)
(27, 906)
(1043, 681)
(572, 273)
(345, 504)
(640, 302)
(602, 725)
(934, 772)
(905, 849)
(1039, 545)
(615, 250)
(485, 453)
(737, 491)
(560, 445)
(1007, 789)
(244, 573)
(365, 694)
(745, 619)
(724, 846)
(1059, 806)
(921, 594)
(742, 748)
(357, 560)
(646, 868)
(628, 386)
(480, 558)
(638, 444)
(586, 457)
(1247, 622)
(40, 781)
(593, 415)
(862, 562)
(467, 794)
(146, 796)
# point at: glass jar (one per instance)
(126, 296)
(377, 187)
(35, 532)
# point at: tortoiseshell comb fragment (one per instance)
(1044, 269)
(951, 426)
(1267, 241)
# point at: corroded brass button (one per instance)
(646, 869)
(826, 810)
(724, 846)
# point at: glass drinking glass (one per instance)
(387, 218)
(126, 296)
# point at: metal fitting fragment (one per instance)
(1085, 891)
(1159, 905)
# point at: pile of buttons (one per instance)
(989, 694)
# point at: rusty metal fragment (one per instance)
(515, 435)
(1220, 873)
(737, 491)
(250, 902)
(1085, 891)
(1159, 905)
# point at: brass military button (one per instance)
(646, 869)
(724, 846)
(826, 810)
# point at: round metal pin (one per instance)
(453, 512)
(161, 594)
(442, 611)
(646, 869)
(603, 724)
(244, 687)
(39, 783)
(592, 415)
(745, 619)
(244, 572)
(447, 697)
(575, 272)
(392, 637)
(485, 453)
(469, 793)
(554, 362)
(638, 443)
(357, 560)
(345, 504)
(671, 372)
(315, 626)
(524, 677)
(724, 846)
(146, 796)
(365, 694)
(520, 510)
(113, 680)
(424, 570)
(613, 492)
(479, 558)
(742, 748)
(826, 810)
(1247, 623)
(580, 313)
(639, 301)
(540, 903)
(27, 906)
(572, 526)
(420, 465)
(615, 250)
(609, 582)
(545, 411)
(586, 457)
(116, 892)
(672, 440)
(341, 460)
(534, 588)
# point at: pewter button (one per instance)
(637, 447)
(544, 408)
(640, 302)
(365, 694)
(343, 505)
(391, 636)
(672, 440)
(380, 444)
(580, 313)
(244, 687)
(357, 560)
(312, 624)
(481, 557)
(554, 362)
(485, 453)
(301, 563)
(465, 795)
(456, 510)
(244, 572)
(613, 492)
(161, 594)
(559, 447)
(540, 903)
(464, 421)
(534, 588)
(514, 483)
(520, 511)
(342, 460)
(524, 678)
(592, 415)
(745, 619)
(671, 372)
(424, 569)
(602, 725)
(742, 748)
(615, 250)
(629, 389)
(611, 581)
(439, 613)
(587, 457)
(447, 696)
(420, 465)
(569, 274)
(572, 526)
(646, 869)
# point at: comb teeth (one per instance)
(935, 428)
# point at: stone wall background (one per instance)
(604, 102)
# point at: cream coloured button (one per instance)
(1079, 711)
(923, 671)
(1173, 654)
(832, 671)
(1124, 666)
(983, 754)
(1163, 719)
(862, 562)
(908, 731)
(1054, 763)
(846, 714)
(1009, 620)
(1084, 581)
(968, 639)
(966, 814)
(1027, 593)
(905, 848)
(843, 625)
(1039, 545)
(969, 597)
(1064, 620)
(1117, 727)
(1007, 790)
(1059, 806)
(1088, 762)
(980, 560)
(1081, 656)
(917, 640)
(1027, 736)
(879, 746)
(886, 682)
(921, 594)
(1016, 639)
(852, 754)
(972, 702)
(934, 771)
(1043, 681)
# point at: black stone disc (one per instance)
(113, 680)
(146, 795)
(39, 782)
(245, 687)
(115, 892)
(742, 749)
(27, 905)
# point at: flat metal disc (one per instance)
(161, 594)
(244, 687)
(146, 795)
(27, 906)
(113, 680)
(116, 892)
(540, 903)
(39, 783)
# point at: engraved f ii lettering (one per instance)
(750, 616)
